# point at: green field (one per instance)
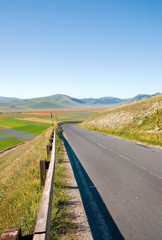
(24, 126)
(10, 123)
(34, 123)
(8, 143)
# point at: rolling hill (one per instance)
(64, 101)
(141, 121)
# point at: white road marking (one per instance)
(154, 174)
(143, 168)
(91, 139)
(126, 158)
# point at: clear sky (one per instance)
(82, 48)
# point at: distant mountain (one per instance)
(64, 101)
(142, 96)
(6, 99)
(104, 101)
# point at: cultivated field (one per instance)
(18, 127)
(14, 131)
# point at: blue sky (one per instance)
(82, 48)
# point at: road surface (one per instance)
(120, 183)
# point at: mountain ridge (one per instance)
(65, 101)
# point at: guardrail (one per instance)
(42, 227)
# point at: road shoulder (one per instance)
(75, 206)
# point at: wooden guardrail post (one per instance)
(51, 140)
(11, 234)
(52, 135)
(48, 147)
(43, 171)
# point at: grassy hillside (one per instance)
(137, 121)
(20, 190)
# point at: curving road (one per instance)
(124, 184)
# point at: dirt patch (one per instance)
(33, 119)
(76, 207)
(7, 151)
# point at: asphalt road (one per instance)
(125, 178)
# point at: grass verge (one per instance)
(62, 220)
(20, 190)
(133, 135)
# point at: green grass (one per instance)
(131, 135)
(150, 122)
(24, 126)
(8, 143)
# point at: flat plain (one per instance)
(18, 127)
(14, 132)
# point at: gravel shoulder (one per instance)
(75, 206)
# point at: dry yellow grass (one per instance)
(20, 190)
(41, 120)
(136, 121)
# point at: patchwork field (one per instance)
(60, 115)
(14, 132)
(18, 127)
